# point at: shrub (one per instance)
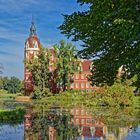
(119, 94)
(38, 93)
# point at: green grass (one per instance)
(2, 110)
(5, 95)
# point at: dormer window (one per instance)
(80, 67)
(35, 46)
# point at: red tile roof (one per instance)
(86, 65)
(31, 39)
(98, 132)
(86, 132)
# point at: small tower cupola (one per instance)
(33, 28)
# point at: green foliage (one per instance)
(38, 93)
(39, 67)
(66, 64)
(109, 31)
(11, 115)
(5, 95)
(137, 78)
(41, 75)
(119, 94)
(11, 85)
(136, 101)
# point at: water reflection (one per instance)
(58, 123)
(11, 132)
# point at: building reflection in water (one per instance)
(76, 124)
(88, 125)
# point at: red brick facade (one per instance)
(80, 79)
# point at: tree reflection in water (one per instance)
(78, 123)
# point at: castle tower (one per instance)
(31, 49)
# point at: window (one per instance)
(91, 66)
(82, 121)
(72, 112)
(77, 76)
(26, 77)
(35, 46)
(88, 121)
(72, 85)
(50, 68)
(82, 112)
(82, 85)
(27, 45)
(77, 112)
(82, 76)
(80, 67)
(87, 85)
(93, 121)
(26, 54)
(31, 52)
(77, 121)
(77, 85)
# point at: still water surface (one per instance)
(41, 122)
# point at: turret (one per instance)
(32, 47)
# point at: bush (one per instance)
(119, 94)
(38, 93)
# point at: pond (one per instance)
(43, 122)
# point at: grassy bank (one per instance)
(15, 115)
(86, 99)
(5, 95)
(89, 100)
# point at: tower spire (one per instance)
(33, 28)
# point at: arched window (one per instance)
(36, 45)
(80, 67)
(27, 45)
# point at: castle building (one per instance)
(32, 47)
(80, 78)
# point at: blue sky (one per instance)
(15, 21)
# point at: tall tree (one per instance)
(110, 33)
(66, 64)
(39, 68)
(12, 85)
